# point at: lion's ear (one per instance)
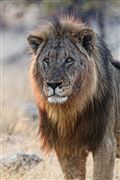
(34, 42)
(87, 38)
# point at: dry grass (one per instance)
(15, 91)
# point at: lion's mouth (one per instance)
(54, 99)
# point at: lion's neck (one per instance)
(63, 116)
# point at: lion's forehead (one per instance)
(59, 47)
(58, 44)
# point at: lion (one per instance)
(76, 84)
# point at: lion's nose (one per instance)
(54, 85)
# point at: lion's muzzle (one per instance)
(55, 92)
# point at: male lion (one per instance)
(77, 90)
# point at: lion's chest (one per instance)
(65, 134)
(72, 134)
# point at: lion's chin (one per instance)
(57, 99)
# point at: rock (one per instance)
(19, 162)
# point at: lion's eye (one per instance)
(46, 60)
(45, 63)
(69, 60)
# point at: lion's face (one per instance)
(65, 68)
(62, 65)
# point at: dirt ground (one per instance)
(48, 168)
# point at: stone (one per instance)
(19, 162)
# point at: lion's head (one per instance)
(62, 64)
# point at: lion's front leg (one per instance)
(104, 159)
(73, 166)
